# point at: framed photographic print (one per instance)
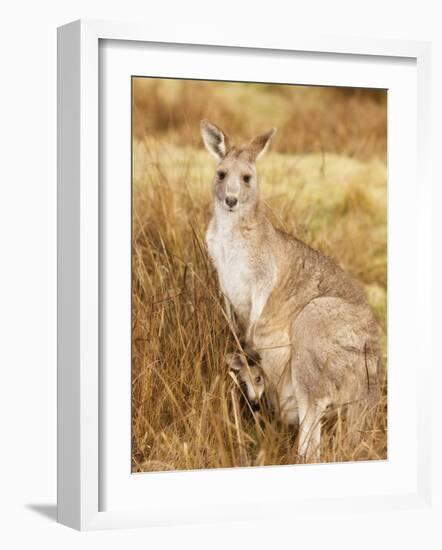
(242, 295)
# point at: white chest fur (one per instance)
(246, 275)
(232, 259)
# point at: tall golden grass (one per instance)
(324, 180)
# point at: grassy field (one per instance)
(323, 180)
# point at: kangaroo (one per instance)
(253, 378)
(308, 319)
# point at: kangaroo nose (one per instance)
(231, 201)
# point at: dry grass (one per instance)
(187, 411)
(348, 121)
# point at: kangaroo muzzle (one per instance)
(231, 201)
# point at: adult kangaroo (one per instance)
(309, 321)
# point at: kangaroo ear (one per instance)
(234, 361)
(215, 140)
(258, 146)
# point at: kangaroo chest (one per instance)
(232, 259)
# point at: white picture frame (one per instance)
(81, 436)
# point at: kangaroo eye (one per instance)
(246, 178)
(221, 174)
(258, 379)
